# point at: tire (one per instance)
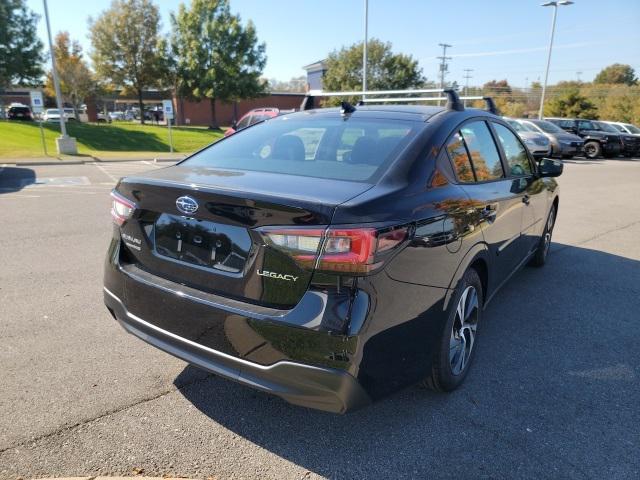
(450, 367)
(542, 251)
(592, 149)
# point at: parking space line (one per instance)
(105, 172)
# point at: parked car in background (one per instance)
(116, 116)
(537, 143)
(630, 143)
(563, 144)
(252, 117)
(101, 117)
(18, 111)
(335, 257)
(625, 127)
(596, 142)
(53, 115)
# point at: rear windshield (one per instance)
(334, 148)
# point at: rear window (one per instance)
(19, 110)
(333, 148)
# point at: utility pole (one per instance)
(467, 76)
(364, 50)
(578, 76)
(555, 5)
(64, 143)
(443, 65)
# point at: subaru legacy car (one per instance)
(335, 255)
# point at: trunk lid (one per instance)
(217, 248)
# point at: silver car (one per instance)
(537, 143)
(563, 144)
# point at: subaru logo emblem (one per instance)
(186, 205)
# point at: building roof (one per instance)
(315, 66)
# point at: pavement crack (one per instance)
(65, 428)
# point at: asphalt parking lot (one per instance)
(553, 393)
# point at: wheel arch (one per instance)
(478, 258)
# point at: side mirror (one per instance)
(548, 167)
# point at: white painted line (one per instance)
(105, 172)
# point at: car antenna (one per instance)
(346, 108)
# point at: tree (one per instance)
(385, 70)
(571, 103)
(127, 49)
(496, 88)
(216, 56)
(295, 84)
(76, 81)
(617, 73)
(21, 54)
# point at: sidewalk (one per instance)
(102, 157)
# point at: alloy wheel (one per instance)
(463, 331)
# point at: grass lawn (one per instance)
(22, 139)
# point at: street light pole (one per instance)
(64, 143)
(364, 50)
(553, 4)
(54, 74)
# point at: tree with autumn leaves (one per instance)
(76, 80)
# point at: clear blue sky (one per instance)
(496, 38)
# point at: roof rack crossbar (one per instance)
(453, 100)
(403, 99)
(320, 93)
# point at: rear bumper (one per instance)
(321, 388)
(569, 149)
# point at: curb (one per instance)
(91, 159)
(37, 163)
(114, 478)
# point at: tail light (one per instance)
(121, 208)
(335, 249)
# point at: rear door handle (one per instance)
(525, 199)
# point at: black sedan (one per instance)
(332, 256)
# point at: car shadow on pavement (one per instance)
(14, 179)
(557, 369)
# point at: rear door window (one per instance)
(514, 152)
(586, 125)
(460, 159)
(483, 151)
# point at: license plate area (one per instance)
(202, 243)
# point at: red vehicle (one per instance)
(254, 116)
